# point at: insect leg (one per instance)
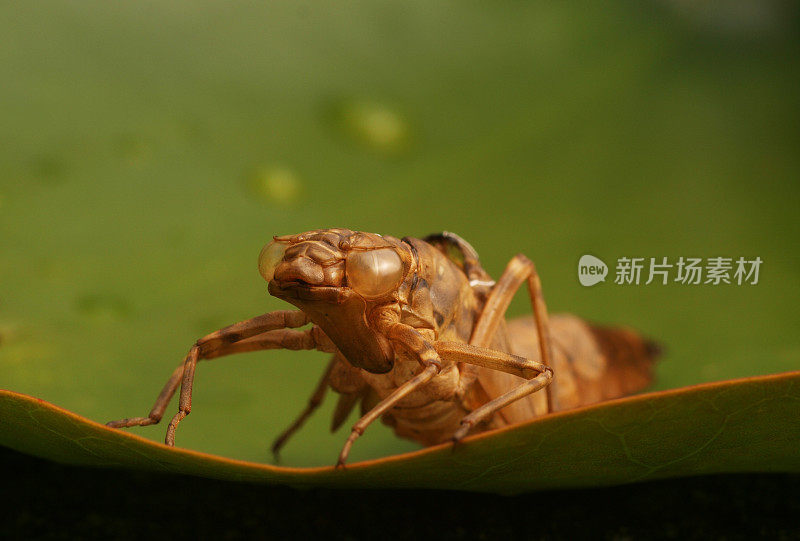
(415, 343)
(252, 334)
(383, 406)
(275, 339)
(313, 403)
(459, 352)
(527, 388)
(157, 412)
(539, 375)
(520, 269)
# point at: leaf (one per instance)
(745, 425)
(148, 155)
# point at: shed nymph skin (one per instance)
(419, 339)
(365, 291)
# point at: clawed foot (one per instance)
(173, 425)
(460, 434)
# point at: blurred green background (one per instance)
(150, 149)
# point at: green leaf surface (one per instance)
(748, 425)
(149, 151)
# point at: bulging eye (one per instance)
(269, 258)
(375, 272)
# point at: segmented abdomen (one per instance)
(590, 363)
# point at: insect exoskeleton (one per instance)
(419, 338)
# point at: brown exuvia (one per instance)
(419, 338)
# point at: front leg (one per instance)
(269, 331)
(411, 340)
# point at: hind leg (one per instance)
(518, 271)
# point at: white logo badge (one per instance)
(591, 270)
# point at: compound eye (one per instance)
(269, 258)
(375, 272)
